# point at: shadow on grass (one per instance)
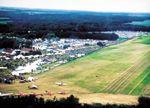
(69, 102)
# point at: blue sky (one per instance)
(88, 5)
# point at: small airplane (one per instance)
(48, 93)
(36, 94)
(60, 83)
(62, 92)
(5, 94)
(22, 94)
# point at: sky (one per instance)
(83, 5)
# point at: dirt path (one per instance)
(102, 98)
(109, 98)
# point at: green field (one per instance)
(140, 23)
(5, 20)
(118, 69)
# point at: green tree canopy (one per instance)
(5, 73)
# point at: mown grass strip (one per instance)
(139, 89)
(137, 71)
(133, 84)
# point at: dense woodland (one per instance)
(75, 24)
(70, 102)
(6, 42)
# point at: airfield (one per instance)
(113, 73)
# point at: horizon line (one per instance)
(73, 10)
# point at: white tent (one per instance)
(33, 87)
(27, 68)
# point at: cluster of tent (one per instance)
(29, 79)
(28, 68)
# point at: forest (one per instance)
(32, 23)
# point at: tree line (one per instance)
(69, 102)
